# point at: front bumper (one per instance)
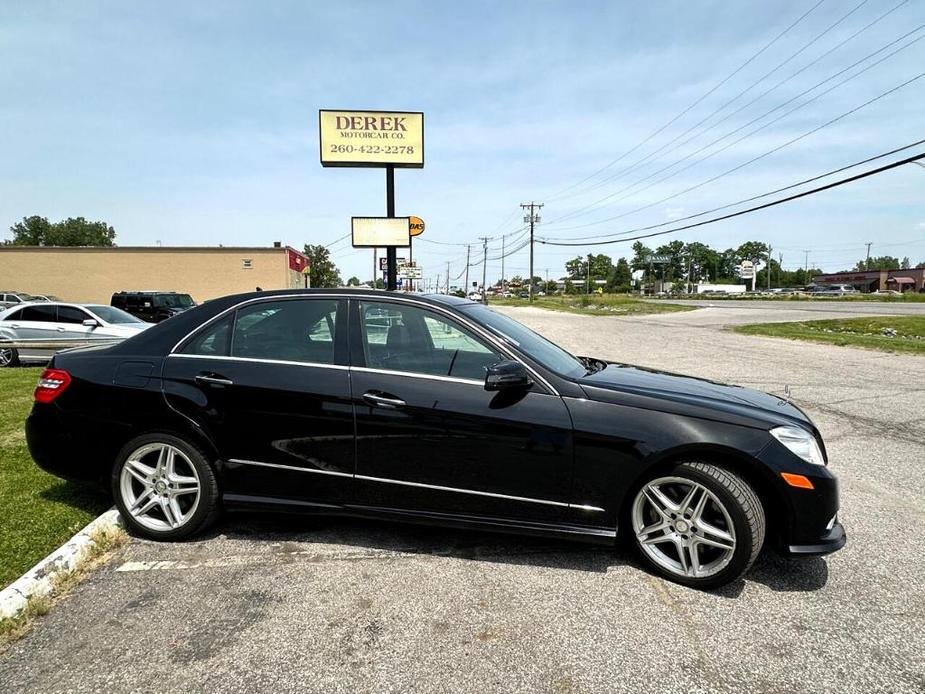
(832, 541)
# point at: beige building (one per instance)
(93, 275)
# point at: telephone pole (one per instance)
(447, 278)
(484, 240)
(589, 273)
(531, 218)
(468, 248)
(769, 266)
(502, 263)
(867, 259)
(805, 263)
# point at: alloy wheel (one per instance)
(683, 527)
(6, 357)
(160, 487)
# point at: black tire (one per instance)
(740, 502)
(9, 358)
(208, 506)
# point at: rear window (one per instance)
(39, 313)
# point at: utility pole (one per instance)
(867, 259)
(805, 263)
(589, 273)
(690, 263)
(484, 240)
(447, 278)
(375, 266)
(502, 263)
(769, 266)
(468, 248)
(531, 218)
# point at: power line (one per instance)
(761, 156)
(695, 103)
(754, 197)
(597, 203)
(766, 205)
(648, 158)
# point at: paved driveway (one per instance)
(284, 604)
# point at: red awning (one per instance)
(901, 280)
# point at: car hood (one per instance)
(701, 392)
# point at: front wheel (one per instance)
(699, 525)
(164, 487)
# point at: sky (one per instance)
(196, 123)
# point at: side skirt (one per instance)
(581, 533)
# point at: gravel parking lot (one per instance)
(284, 604)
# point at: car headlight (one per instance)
(801, 443)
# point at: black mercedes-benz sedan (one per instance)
(437, 410)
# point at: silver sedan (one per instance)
(51, 326)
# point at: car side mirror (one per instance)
(507, 375)
(91, 323)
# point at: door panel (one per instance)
(432, 442)
(283, 425)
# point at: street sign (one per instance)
(371, 138)
(376, 232)
(659, 259)
(416, 227)
(384, 263)
(747, 270)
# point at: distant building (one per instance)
(92, 275)
(910, 280)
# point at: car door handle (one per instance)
(212, 379)
(379, 400)
(60, 330)
(14, 325)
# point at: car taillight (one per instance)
(52, 383)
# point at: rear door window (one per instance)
(38, 313)
(300, 330)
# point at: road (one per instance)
(757, 310)
(289, 605)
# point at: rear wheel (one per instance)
(698, 524)
(164, 487)
(8, 357)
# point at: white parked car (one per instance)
(62, 322)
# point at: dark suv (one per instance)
(152, 307)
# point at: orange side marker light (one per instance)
(798, 481)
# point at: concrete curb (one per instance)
(38, 581)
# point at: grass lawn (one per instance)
(37, 511)
(874, 333)
(594, 304)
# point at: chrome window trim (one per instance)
(457, 490)
(458, 316)
(254, 360)
(415, 374)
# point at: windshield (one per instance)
(173, 300)
(534, 346)
(108, 314)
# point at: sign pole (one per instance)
(391, 256)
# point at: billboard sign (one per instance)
(372, 138)
(376, 232)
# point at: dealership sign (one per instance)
(372, 138)
(375, 232)
(416, 227)
(747, 270)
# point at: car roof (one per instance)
(350, 292)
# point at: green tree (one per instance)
(621, 279)
(353, 282)
(323, 273)
(551, 287)
(882, 262)
(73, 231)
